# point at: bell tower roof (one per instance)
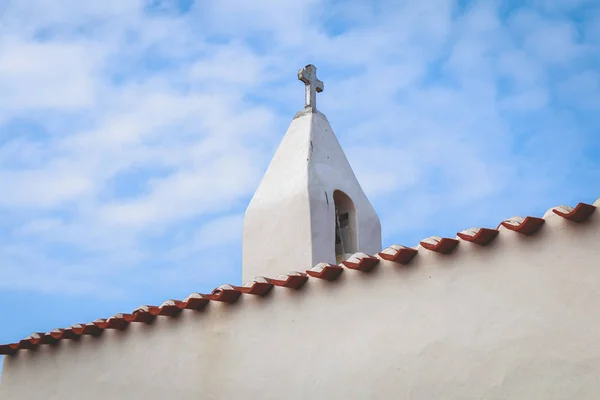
(309, 207)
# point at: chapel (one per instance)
(500, 312)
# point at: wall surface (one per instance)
(290, 222)
(512, 320)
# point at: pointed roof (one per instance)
(293, 210)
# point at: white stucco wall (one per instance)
(290, 222)
(515, 319)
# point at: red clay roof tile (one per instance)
(30, 342)
(87, 329)
(480, 236)
(196, 301)
(329, 272)
(292, 280)
(226, 294)
(526, 226)
(67, 333)
(258, 286)
(398, 254)
(48, 338)
(145, 314)
(439, 244)
(361, 262)
(578, 214)
(8, 349)
(170, 308)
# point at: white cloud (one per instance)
(522, 68)
(233, 65)
(527, 101)
(57, 75)
(583, 89)
(220, 231)
(50, 187)
(551, 40)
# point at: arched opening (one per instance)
(346, 239)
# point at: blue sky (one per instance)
(134, 133)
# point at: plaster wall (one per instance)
(513, 320)
(290, 222)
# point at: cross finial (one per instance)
(308, 75)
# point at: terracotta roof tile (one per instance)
(48, 338)
(118, 321)
(480, 236)
(226, 293)
(578, 214)
(329, 272)
(170, 308)
(398, 254)
(8, 349)
(260, 286)
(27, 344)
(31, 341)
(361, 262)
(196, 301)
(87, 329)
(526, 226)
(66, 333)
(293, 280)
(439, 244)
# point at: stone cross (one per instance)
(308, 75)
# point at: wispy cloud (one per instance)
(133, 134)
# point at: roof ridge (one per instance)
(261, 286)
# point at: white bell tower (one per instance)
(309, 207)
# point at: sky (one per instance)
(134, 133)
